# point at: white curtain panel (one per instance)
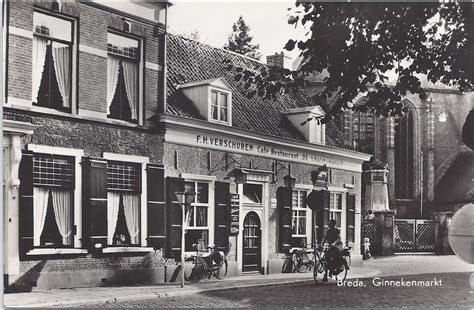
(113, 200)
(113, 65)
(62, 66)
(40, 204)
(39, 57)
(62, 213)
(131, 204)
(131, 84)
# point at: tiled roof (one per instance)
(190, 61)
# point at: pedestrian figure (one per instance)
(366, 254)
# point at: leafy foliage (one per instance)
(355, 48)
(240, 40)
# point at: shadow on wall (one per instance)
(27, 281)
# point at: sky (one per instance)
(214, 20)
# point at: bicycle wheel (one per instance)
(194, 269)
(302, 262)
(221, 270)
(342, 276)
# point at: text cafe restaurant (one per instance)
(249, 163)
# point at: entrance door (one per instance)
(252, 243)
(415, 235)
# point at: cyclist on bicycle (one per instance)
(333, 255)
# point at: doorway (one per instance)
(252, 248)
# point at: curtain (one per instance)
(62, 213)
(39, 57)
(131, 85)
(201, 216)
(113, 200)
(62, 66)
(40, 205)
(131, 206)
(113, 65)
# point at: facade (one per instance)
(106, 117)
(430, 168)
(236, 151)
(80, 153)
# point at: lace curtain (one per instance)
(131, 205)
(62, 66)
(39, 58)
(40, 205)
(113, 65)
(131, 85)
(62, 213)
(113, 200)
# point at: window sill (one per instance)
(125, 249)
(56, 251)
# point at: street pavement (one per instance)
(449, 276)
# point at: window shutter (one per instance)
(173, 217)
(222, 216)
(26, 202)
(350, 219)
(94, 208)
(326, 201)
(156, 206)
(284, 209)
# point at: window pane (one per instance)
(294, 223)
(224, 100)
(202, 192)
(55, 171)
(190, 216)
(302, 226)
(252, 193)
(201, 216)
(214, 112)
(51, 26)
(224, 114)
(123, 176)
(193, 237)
(122, 45)
(302, 199)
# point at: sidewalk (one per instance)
(68, 297)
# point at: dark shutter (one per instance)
(326, 202)
(26, 202)
(156, 206)
(285, 214)
(350, 219)
(173, 217)
(94, 208)
(222, 216)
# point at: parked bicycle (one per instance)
(321, 264)
(302, 258)
(210, 263)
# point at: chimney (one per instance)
(279, 60)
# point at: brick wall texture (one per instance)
(92, 26)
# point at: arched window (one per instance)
(404, 166)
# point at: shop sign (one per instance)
(234, 214)
(265, 148)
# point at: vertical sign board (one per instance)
(234, 214)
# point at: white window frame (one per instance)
(74, 69)
(220, 91)
(141, 73)
(309, 213)
(342, 211)
(77, 154)
(143, 197)
(211, 205)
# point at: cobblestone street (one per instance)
(454, 292)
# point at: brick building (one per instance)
(106, 117)
(430, 168)
(81, 154)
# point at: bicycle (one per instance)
(212, 263)
(320, 264)
(302, 258)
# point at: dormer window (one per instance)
(212, 98)
(219, 106)
(305, 120)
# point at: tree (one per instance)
(240, 40)
(355, 46)
(192, 35)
